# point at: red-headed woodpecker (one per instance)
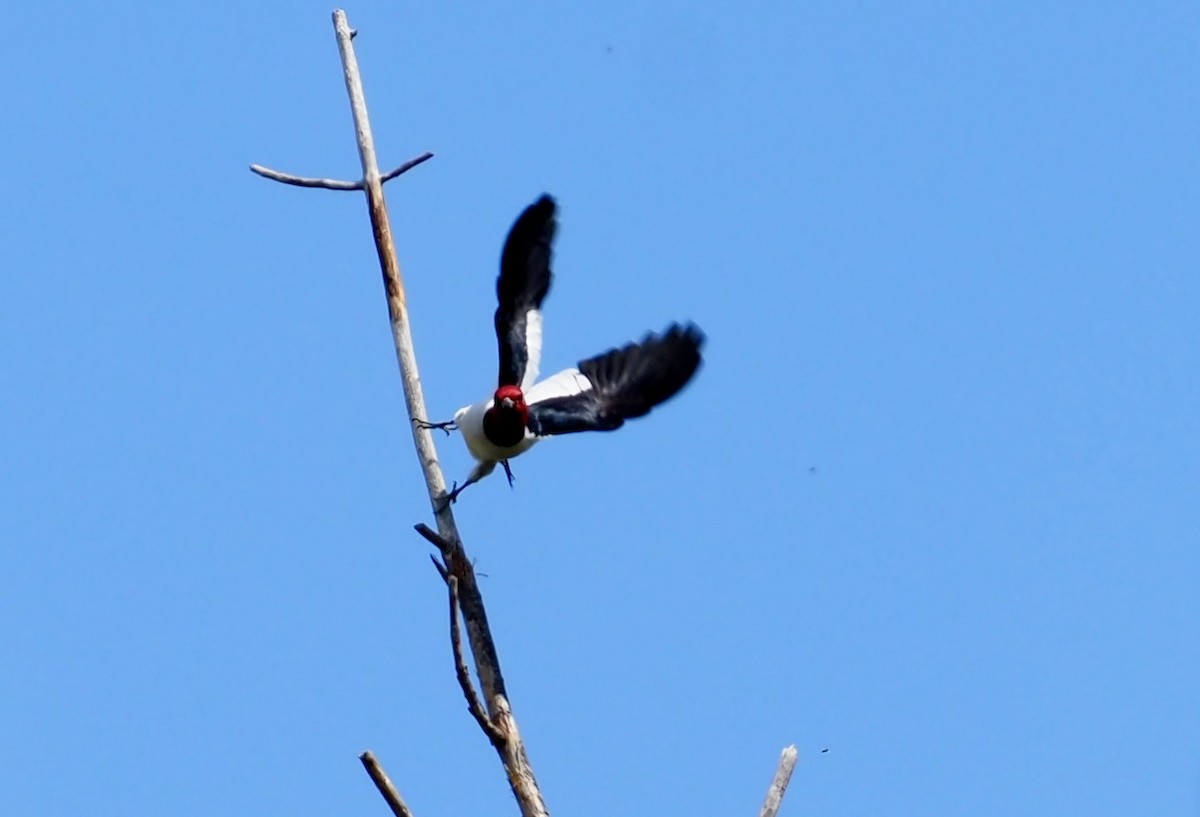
(600, 394)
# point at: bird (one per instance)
(598, 394)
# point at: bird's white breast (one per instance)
(470, 424)
(470, 418)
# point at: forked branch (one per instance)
(460, 667)
(337, 184)
(503, 732)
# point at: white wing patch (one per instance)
(533, 347)
(566, 383)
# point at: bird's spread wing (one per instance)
(566, 383)
(618, 385)
(522, 286)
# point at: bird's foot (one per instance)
(507, 472)
(447, 426)
(450, 498)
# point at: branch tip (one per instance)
(404, 168)
(434, 538)
(384, 784)
(305, 181)
(779, 784)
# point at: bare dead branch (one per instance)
(304, 181)
(404, 168)
(479, 632)
(487, 665)
(393, 285)
(779, 784)
(502, 727)
(456, 563)
(516, 762)
(474, 706)
(385, 786)
(337, 184)
(434, 538)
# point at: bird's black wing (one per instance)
(522, 286)
(624, 383)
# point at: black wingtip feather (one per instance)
(525, 261)
(524, 281)
(626, 383)
(635, 378)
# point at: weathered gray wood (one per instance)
(337, 184)
(783, 775)
(384, 784)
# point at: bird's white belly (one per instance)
(470, 424)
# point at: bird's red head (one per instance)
(504, 422)
(512, 394)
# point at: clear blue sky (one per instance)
(946, 255)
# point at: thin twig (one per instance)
(305, 181)
(455, 562)
(337, 184)
(779, 784)
(441, 569)
(385, 786)
(404, 168)
(457, 569)
(474, 706)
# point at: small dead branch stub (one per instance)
(489, 706)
